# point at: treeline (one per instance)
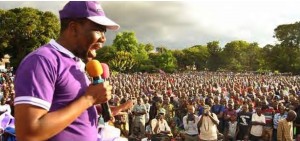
(24, 29)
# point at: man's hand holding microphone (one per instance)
(100, 91)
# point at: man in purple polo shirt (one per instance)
(54, 98)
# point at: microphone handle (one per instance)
(106, 113)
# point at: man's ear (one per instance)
(72, 28)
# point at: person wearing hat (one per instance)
(54, 99)
(160, 128)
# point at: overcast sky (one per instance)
(182, 24)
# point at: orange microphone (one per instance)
(95, 70)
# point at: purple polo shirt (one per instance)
(51, 78)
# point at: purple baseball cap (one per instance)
(91, 10)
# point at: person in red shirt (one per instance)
(268, 112)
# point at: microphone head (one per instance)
(94, 68)
(105, 70)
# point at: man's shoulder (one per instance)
(281, 121)
(154, 120)
(46, 51)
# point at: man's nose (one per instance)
(102, 39)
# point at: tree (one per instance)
(234, 55)
(164, 60)
(288, 36)
(196, 55)
(181, 59)
(22, 30)
(106, 53)
(149, 47)
(161, 49)
(122, 62)
(214, 61)
(141, 57)
(126, 41)
(252, 57)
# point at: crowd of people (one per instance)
(208, 106)
(199, 105)
(51, 86)
(7, 92)
(7, 95)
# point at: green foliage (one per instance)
(196, 55)
(148, 68)
(24, 29)
(181, 59)
(122, 62)
(214, 60)
(288, 50)
(106, 53)
(165, 60)
(241, 56)
(149, 47)
(288, 34)
(126, 41)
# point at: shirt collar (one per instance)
(61, 48)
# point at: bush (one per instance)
(147, 68)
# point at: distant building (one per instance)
(4, 63)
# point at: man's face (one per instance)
(166, 100)
(160, 116)
(216, 100)
(281, 110)
(230, 106)
(89, 38)
(258, 110)
(191, 110)
(139, 101)
(245, 108)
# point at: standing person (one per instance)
(285, 127)
(258, 121)
(208, 125)
(231, 130)
(268, 112)
(277, 117)
(139, 111)
(218, 109)
(244, 123)
(297, 121)
(147, 105)
(190, 122)
(169, 107)
(54, 98)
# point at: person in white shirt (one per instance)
(190, 122)
(258, 121)
(5, 108)
(161, 131)
(208, 125)
(139, 111)
(147, 105)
